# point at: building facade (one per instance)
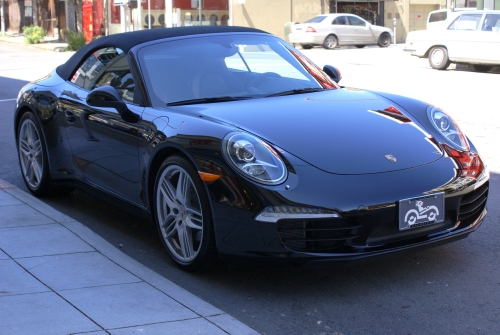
(104, 17)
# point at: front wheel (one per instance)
(330, 42)
(482, 68)
(438, 58)
(306, 46)
(183, 216)
(359, 46)
(384, 40)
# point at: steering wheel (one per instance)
(260, 79)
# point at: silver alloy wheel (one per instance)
(437, 56)
(180, 217)
(330, 42)
(31, 154)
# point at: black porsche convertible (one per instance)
(238, 147)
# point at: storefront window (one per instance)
(213, 13)
(367, 11)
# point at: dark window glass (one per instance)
(491, 22)
(107, 66)
(340, 20)
(354, 21)
(239, 65)
(437, 17)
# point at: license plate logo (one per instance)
(421, 211)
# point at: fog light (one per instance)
(275, 213)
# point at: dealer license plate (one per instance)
(421, 211)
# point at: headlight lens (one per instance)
(446, 126)
(254, 158)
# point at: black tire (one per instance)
(32, 154)
(183, 216)
(330, 42)
(306, 46)
(384, 40)
(482, 68)
(360, 46)
(438, 58)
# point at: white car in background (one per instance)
(471, 37)
(332, 30)
(437, 18)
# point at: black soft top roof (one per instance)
(126, 41)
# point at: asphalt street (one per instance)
(452, 289)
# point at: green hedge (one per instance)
(33, 34)
(75, 41)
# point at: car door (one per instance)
(340, 28)
(361, 32)
(489, 39)
(103, 144)
(461, 38)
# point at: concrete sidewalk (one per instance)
(49, 43)
(58, 277)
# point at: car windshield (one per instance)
(221, 68)
(316, 19)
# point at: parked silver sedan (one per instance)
(332, 30)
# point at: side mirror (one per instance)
(333, 73)
(108, 97)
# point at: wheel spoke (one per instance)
(194, 218)
(37, 145)
(169, 225)
(29, 171)
(168, 191)
(183, 185)
(31, 135)
(25, 147)
(37, 171)
(185, 242)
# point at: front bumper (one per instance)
(359, 233)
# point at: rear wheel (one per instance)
(438, 58)
(330, 42)
(33, 155)
(33, 159)
(384, 40)
(482, 68)
(183, 216)
(306, 46)
(360, 46)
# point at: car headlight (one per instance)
(254, 158)
(448, 128)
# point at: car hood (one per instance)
(340, 131)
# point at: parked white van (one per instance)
(437, 18)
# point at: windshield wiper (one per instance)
(206, 100)
(296, 91)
